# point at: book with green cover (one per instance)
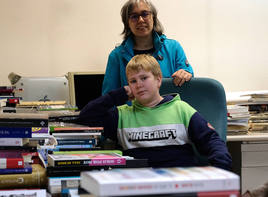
(119, 152)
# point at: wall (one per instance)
(226, 40)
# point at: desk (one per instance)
(250, 159)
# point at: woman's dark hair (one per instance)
(126, 11)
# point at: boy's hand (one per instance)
(129, 93)
(180, 76)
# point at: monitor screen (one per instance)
(84, 87)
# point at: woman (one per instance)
(143, 33)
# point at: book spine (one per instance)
(175, 187)
(157, 185)
(92, 129)
(11, 163)
(40, 130)
(14, 100)
(55, 184)
(36, 179)
(103, 162)
(258, 108)
(76, 134)
(234, 193)
(119, 152)
(79, 141)
(75, 131)
(6, 93)
(16, 122)
(19, 149)
(24, 192)
(73, 146)
(12, 141)
(13, 132)
(91, 162)
(16, 170)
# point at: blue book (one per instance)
(73, 146)
(16, 132)
(76, 141)
(26, 170)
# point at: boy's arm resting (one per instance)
(97, 108)
(102, 111)
(208, 142)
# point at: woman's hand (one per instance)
(180, 76)
(129, 93)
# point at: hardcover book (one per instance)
(13, 141)
(11, 163)
(82, 193)
(15, 132)
(26, 169)
(36, 179)
(76, 170)
(40, 130)
(71, 129)
(23, 120)
(77, 134)
(56, 184)
(76, 141)
(118, 152)
(73, 146)
(149, 181)
(20, 152)
(24, 192)
(97, 159)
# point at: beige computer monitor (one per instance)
(84, 86)
(43, 89)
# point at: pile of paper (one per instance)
(247, 112)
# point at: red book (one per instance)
(11, 163)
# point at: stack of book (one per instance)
(8, 100)
(237, 119)
(71, 136)
(64, 167)
(256, 103)
(43, 106)
(191, 181)
(20, 166)
(33, 126)
(258, 122)
(66, 135)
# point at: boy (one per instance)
(158, 128)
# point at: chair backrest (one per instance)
(206, 95)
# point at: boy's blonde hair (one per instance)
(144, 62)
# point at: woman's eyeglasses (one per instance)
(144, 14)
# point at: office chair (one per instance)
(207, 96)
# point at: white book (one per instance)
(24, 192)
(13, 141)
(144, 181)
(55, 183)
(237, 109)
(76, 135)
